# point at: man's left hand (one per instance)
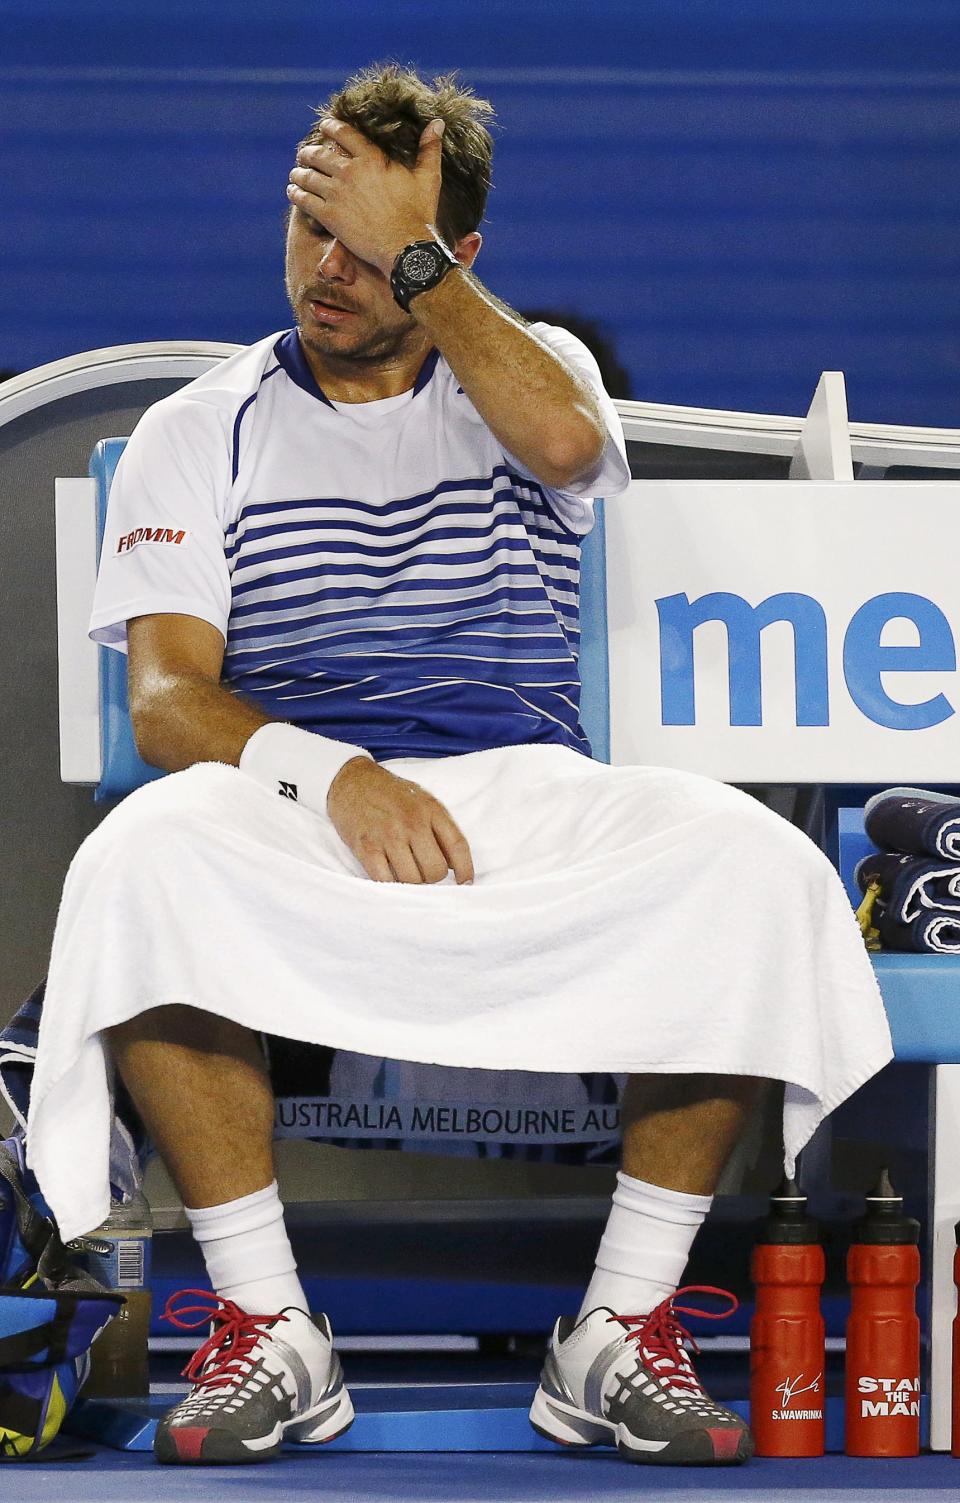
(372, 205)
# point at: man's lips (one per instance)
(329, 313)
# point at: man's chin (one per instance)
(326, 337)
(343, 344)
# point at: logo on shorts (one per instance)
(149, 535)
(288, 790)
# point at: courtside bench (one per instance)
(921, 993)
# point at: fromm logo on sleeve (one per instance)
(149, 535)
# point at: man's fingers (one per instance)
(430, 145)
(308, 203)
(320, 159)
(310, 181)
(454, 845)
(423, 861)
(347, 137)
(429, 857)
(378, 867)
(402, 862)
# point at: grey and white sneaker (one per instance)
(627, 1381)
(256, 1379)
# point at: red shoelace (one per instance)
(664, 1334)
(233, 1342)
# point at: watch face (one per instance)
(419, 265)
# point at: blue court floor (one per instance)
(339, 1478)
(465, 1453)
(403, 1389)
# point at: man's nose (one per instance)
(336, 264)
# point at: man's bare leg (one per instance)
(679, 1130)
(678, 1133)
(201, 1086)
(202, 1089)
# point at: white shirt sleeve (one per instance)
(163, 543)
(611, 475)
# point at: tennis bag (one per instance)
(51, 1310)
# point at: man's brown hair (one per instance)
(391, 105)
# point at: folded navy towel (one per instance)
(932, 931)
(910, 885)
(915, 820)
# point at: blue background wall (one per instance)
(741, 192)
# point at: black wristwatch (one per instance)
(419, 267)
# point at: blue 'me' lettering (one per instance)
(864, 660)
(678, 618)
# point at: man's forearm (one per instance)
(541, 411)
(190, 719)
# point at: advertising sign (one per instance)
(786, 631)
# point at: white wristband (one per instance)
(295, 763)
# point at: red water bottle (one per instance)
(883, 1332)
(955, 1429)
(787, 1377)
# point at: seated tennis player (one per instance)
(344, 567)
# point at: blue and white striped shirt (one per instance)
(381, 572)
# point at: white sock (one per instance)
(247, 1252)
(645, 1246)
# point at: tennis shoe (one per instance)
(257, 1380)
(627, 1381)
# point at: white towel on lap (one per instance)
(622, 919)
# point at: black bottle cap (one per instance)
(885, 1224)
(788, 1223)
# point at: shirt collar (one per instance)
(289, 353)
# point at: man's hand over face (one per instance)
(372, 205)
(397, 830)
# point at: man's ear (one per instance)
(467, 248)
